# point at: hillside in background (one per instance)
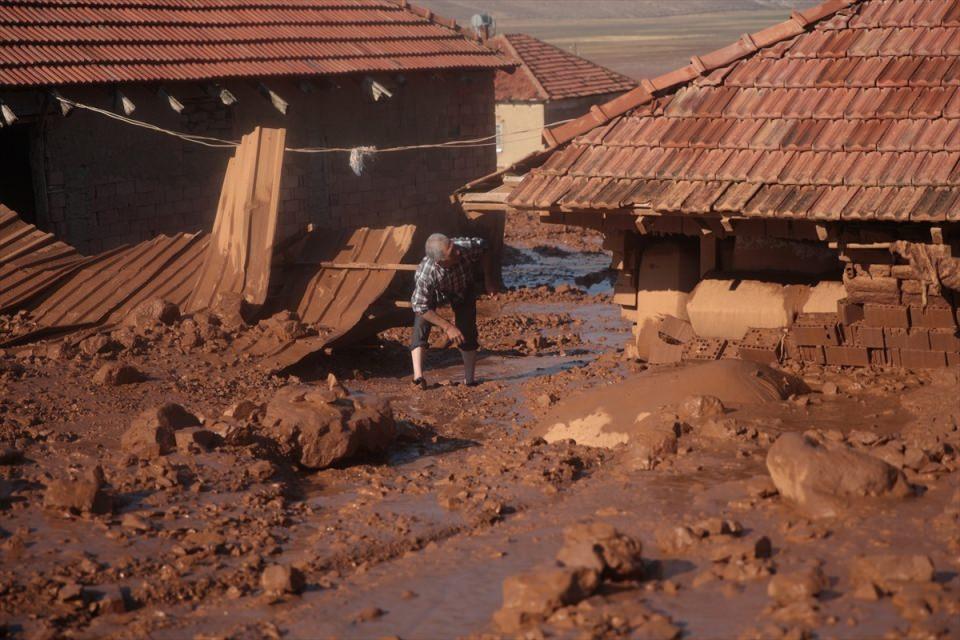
(639, 38)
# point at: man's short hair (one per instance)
(436, 248)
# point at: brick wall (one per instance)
(101, 183)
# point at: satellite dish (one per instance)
(484, 23)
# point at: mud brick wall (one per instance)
(101, 184)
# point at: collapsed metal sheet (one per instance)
(111, 284)
(31, 261)
(330, 299)
(244, 233)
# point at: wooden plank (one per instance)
(262, 229)
(369, 266)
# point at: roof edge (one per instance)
(748, 44)
(544, 95)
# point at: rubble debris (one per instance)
(153, 432)
(889, 572)
(797, 586)
(531, 597)
(151, 313)
(598, 546)
(820, 477)
(80, 495)
(318, 427)
(115, 374)
(279, 579)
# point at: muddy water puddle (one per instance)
(557, 266)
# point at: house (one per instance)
(363, 73)
(795, 194)
(550, 85)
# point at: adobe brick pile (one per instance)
(890, 317)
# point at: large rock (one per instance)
(797, 586)
(153, 432)
(823, 477)
(600, 547)
(321, 426)
(83, 495)
(531, 597)
(278, 579)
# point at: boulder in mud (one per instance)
(114, 374)
(153, 432)
(531, 597)
(152, 313)
(821, 477)
(81, 495)
(233, 311)
(278, 579)
(797, 586)
(598, 546)
(99, 344)
(888, 572)
(318, 426)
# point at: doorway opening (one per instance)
(16, 177)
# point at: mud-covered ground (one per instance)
(223, 534)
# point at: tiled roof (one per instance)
(46, 42)
(847, 111)
(550, 73)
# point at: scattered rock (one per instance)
(829, 389)
(99, 344)
(151, 313)
(697, 407)
(531, 597)
(83, 495)
(673, 539)
(196, 438)
(153, 432)
(318, 427)
(114, 374)
(134, 522)
(110, 599)
(244, 410)
(598, 546)
(797, 586)
(278, 579)
(367, 615)
(889, 572)
(10, 456)
(233, 311)
(820, 477)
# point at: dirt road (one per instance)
(223, 536)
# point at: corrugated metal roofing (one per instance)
(850, 110)
(44, 42)
(550, 73)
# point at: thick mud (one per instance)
(417, 541)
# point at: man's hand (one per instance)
(454, 335)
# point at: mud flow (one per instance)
(154, 483)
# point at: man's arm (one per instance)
(453, 334)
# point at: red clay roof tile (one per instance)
(50, 42)
(853, 117)
(548, 72)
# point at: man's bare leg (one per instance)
(469, 366)
(417, 355)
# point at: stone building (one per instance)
(369, 73)
(550, 85)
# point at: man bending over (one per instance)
(446, 276)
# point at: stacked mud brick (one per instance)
(890, 317)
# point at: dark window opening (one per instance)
(16, 178)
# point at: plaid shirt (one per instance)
(436, 286)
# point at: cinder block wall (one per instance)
(101, 183)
